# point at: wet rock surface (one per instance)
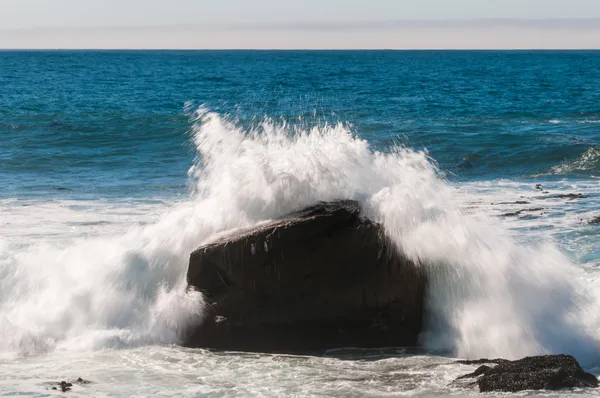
(550, 372)
(569, 196)
(321, 278)
(520, 212)
(517, 202)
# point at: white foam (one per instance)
(587, 161)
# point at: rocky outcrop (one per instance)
(569, 196)
(65, 386)
(551, 372)
(520, 212)
(325, 277)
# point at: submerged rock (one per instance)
(519, 212)
(568, 196)
(325, 277)
(518, 202)
(65, 386)
(550, 372)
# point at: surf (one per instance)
(489, 294)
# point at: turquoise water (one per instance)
(115, 165)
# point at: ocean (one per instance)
(115, 165)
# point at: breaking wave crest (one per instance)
(588, 161)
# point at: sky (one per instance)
(300, 24)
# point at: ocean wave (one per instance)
(489, 296)
(588, 161)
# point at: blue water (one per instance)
(115, 165)
(103, 123)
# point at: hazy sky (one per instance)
(299, 24)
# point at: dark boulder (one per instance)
(325, 277)
(551, 372)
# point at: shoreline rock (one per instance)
(519, 212)
(322, 278)
(549, 372)
(568, 196)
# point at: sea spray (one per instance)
(488, 295)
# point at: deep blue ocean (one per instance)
(115, 165)
(104, 123)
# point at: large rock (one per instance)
(325, 277)
(551, 372)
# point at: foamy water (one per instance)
(99, 288)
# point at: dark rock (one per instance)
(482, 361)
(64, 386)
(568, 196)
(551, 372)
(595, 220)
(478, 372)
(519, 212)
(322, 278)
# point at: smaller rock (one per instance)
(496, 361)
(550, 372)
(519, 212)
(568, 196)
(538, 186)
(64, 386)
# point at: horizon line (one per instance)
(41, 49)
